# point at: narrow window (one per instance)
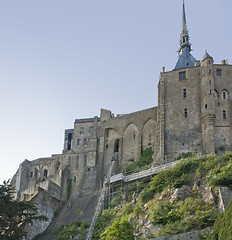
(82, 131)
(74, 179)
(210, 91)
(185, 112)
(224, 114)
(184, 93)
(78, 142)
(208, 61)
(69, 141)
(209, 81)
(85, 142)
(45, 173)
(107, 145)
(182, 75)
(107, 133)
(205, 106)
(91, 129)
(219, 72)
(116, 145)
(134, 136)
(31, 174)
(209, 71)
(224, 95)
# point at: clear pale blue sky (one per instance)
(61, 60)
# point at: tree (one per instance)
(15, 214)
(120, 230)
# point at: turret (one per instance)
(207, 103)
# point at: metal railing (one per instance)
(141, 174)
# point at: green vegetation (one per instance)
(144, 161)
(178, 216)
(222, 229)
(66, 232)
(14, 214)
(185, 155)
(120, 229)
(102, 222)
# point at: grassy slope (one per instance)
(153, 204)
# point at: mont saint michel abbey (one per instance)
(193, 115)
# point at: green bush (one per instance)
(222, 229)
(102, 222)
(164, 213)
(223, 177)
(66, 231)
(185, 155)
(120, 229)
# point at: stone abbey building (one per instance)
(193, 115)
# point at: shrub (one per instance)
(120, 229)
(102, 222)
(66, 231)
(222, 229)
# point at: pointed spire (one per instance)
(184, 36)
(185, 59)
(184, 23)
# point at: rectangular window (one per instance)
(219, 72)
(85, 142)
(182, 75)
(91, 129)
(78, 142)
(184, 93)
(205, 106)
(224, 114)
(69, 141)
(107, 133)
(185, 112)
(82, 131)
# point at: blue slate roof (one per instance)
(185, 60)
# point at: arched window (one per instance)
(45, 173)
